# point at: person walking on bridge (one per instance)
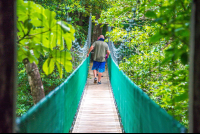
(100, 50)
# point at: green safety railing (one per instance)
(138, 113)
(56, 112)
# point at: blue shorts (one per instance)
(99, 66)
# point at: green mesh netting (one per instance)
(55, 113)
(139, 114)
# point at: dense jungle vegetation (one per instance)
(156, 56)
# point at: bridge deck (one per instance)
(97, 112)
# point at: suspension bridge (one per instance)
(79, 105)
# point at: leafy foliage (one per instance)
(24, 98)
(53, 80)
(46, 41)
(157, 59)
(78, 10)
(159, 40)
(40, 33)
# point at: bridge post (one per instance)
(109, 29)
(90, 34)
(7, 65)
(194, 72)
(90, 29)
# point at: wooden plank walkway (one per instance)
(97, 112)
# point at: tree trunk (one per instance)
(194, 85)
(97, 30)
(7, 65)
(35, 82)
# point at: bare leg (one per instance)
(99, 76)
(95, 73)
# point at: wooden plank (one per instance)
(97, 112)
(82, 115)
(91, 125)
(99, 122)
(98, 131)
(96, 109)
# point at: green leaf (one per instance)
(61, 55)
(50, 18)
(182, 97)
(37, 22)
(155, 38)
(67, 66)
(36, 53)
(179, 29)
(184, 58)
(48, 40)
(59, 40)
(50, 14)
(185, 33)
(48, 66)
(21, 57)
(21, 54)
(59, 66)
(167, 59)
(64, 26)
(27, 24)
(21, 10)
(69, 43)
(20, 28)
(63, 58)
(32, 58)
(169, 50)
(151, 14)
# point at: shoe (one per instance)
(99, 82)
(95, 80)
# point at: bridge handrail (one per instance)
(138, 113)
(56, 112)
